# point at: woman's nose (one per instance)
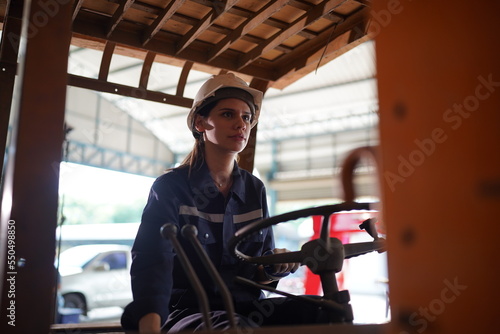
(240, 123)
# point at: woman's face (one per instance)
(227, 125)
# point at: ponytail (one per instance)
(194, 160)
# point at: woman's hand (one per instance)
(284, 268)
(276, 271)
(150, 324)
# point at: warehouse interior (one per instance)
(417, 80)
(297, 155)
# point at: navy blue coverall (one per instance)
(158, 282)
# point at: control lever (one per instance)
(190, 232)
(369, 226)
(169, 231)
(378, 244)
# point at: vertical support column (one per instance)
(8, 64)
(30, 187)
(439, 90)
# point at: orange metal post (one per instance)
(30, 186)
(439, 90)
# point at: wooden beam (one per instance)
(118, 15)
(138, 93)
(238, 11)
(298, 25)
(307, 34)
(326, 47)
(107, 55)
(160, 20)
(140, 6)
(165, 47)
(218, 9)
(146, 70)
(76, 8)
(181, 85)
(250, 24)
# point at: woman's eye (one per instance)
(247, 118)
(227, 114)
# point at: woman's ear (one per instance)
(199, 123)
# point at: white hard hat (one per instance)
(207, 94)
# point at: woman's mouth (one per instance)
(238, 137)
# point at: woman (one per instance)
(210, 191)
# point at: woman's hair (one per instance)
(194, 160)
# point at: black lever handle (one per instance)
(169, 232)
(190, 232)
(369, 226)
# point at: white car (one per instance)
(94, 276)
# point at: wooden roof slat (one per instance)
(366, 3)
(206, 22)
(235, 10)
(76, 8)
(249, 38)
(181, 85)
(335, 17)
(160, 20)
(233, 36)
(118, 15)
(223, 30)
(106, 60)
(146, 69)
(141, 6)
(258, 40)
(346, 37)
(130, 41)
(282, 25)
(305, 20)
(247, 26)
(300, 4)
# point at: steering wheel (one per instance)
(323, 256)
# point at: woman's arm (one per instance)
(150, 324)
(152, 265)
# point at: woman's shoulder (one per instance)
(177, 175)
